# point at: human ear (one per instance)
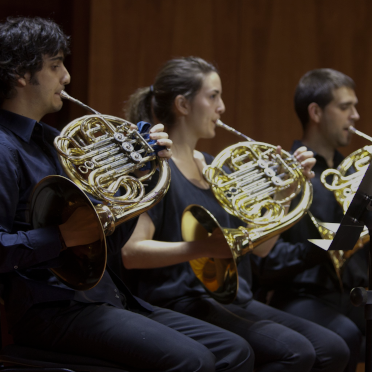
(315, 112)
(181, 105)
(22, 80)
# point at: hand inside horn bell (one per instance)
(81, 228)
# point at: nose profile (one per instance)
(66, 79)
(221, 107)
(355, 115)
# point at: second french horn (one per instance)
(247, 179)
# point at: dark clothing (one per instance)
(301, 266)
(334, 312)
(302, 275)
(106, 321)
(173, 283)
(280, 341)
(27, 157)
(162, 340)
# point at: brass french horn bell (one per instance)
(99, 153)
(218, 276)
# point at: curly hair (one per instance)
(23, 43)
(317, 86)
(179, 76)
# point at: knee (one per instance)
(204, 362)
(279, 348)
(351, 334)
(293, 359)
(303, 356)
(241, 356)
(333, 355)
(298, 354)
(235, 355)
(239, 359)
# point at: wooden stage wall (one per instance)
(261, 47)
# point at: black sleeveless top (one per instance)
(163, 286)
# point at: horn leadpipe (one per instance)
(65, 95)
(359, 133)
(232, 130)
(220, 124)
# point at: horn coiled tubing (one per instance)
(344, 184)
(251, 190)
(99, 154)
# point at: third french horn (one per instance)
(344, 184)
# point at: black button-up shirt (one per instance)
(27, 155)
(295, 264)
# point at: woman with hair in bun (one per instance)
(186, 98)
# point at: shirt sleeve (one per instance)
(291, 254)
(20, 248)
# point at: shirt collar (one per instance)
(337, 157)
(20, 125)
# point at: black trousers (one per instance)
(280, 341)
(333, 311)
(160, 341)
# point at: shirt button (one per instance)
(16, 267)
(115, 290)
(117, 296)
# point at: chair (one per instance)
(23, 359)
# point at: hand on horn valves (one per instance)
(307, 160)
(157, 133)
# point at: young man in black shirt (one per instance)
(302, 275)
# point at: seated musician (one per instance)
(305, 281)
(105, 322)
(186, 97)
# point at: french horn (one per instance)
(344, 186)
(247, 179)
(99, 153)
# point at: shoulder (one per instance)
(8, 147)
(198, 155)
(203, 157)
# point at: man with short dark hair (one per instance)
(302, 275)
(105, 322)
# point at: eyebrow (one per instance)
(349, 103)
(57, 58)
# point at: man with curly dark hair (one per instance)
(23, 43)
(105, 322)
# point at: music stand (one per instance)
(358, 214)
